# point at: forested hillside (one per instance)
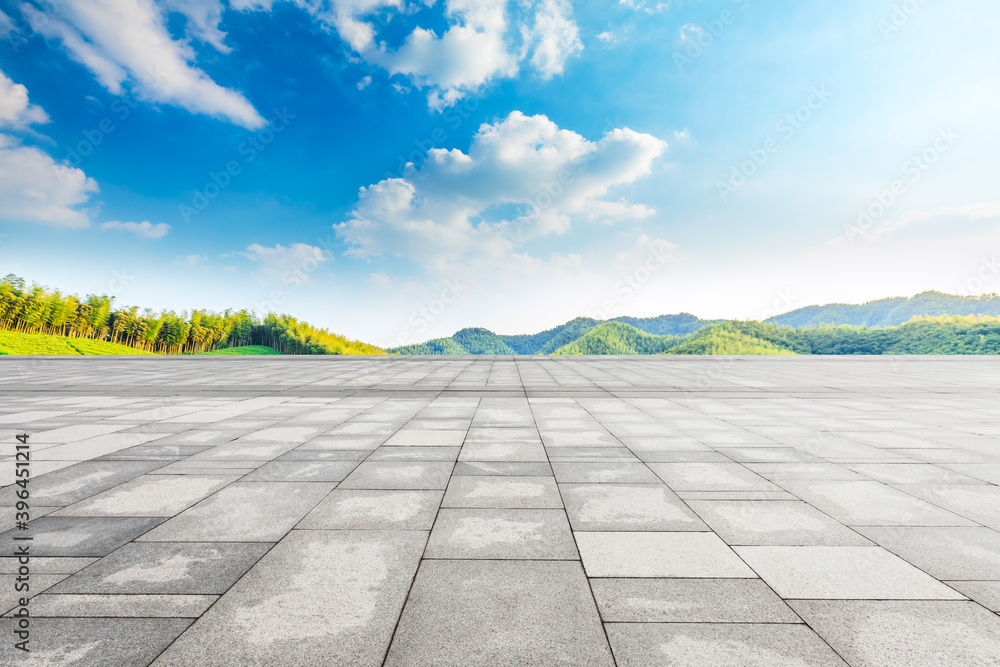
(891, 312)
(35, 309)
(618, 338)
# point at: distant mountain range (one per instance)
(686, 334)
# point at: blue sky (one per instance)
(396, 170)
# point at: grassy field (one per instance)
(24, 343)
(246, 349)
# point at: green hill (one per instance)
(668, 325)
(892, 311)
(618, 338)
(550, 340)
(437, 346)
(482, 341)
(727, 338)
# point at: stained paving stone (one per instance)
(375, 510)
(399, 475)
(843, 573)
(81, 536)
(150, 495)
(302, 471)
(725, 645)
(945, 552)
(487, 612)
(631, 554)
(501, 534)
(93, 642)
(872, 633)
(833, 478)
(166, 568)
(689, 601)
(319, 597)
(502, 492)
(244, 512)
(764, 522)
(121, 606)
(653, 507)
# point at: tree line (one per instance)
(35, 309)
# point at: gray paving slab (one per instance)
(93, 642)
(843, 573)
(501, 534)
(689, 601)
(620, 507)
(507, 492)
(244, 512)
(80, 536)
(338, 594)
(725, 645)
(774, 522)
(375, 510)
(699, 491)
(919, 633)
(463, 612)
(166, 568)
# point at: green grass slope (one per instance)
(24, 343)
(550, 340)
(244, 350)
(618, 338)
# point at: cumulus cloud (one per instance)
(144, 229)
(33, 186)
(292, 264)
(129, 41)
(15, 110)
(553, 38)
(522, 178)
(484, 40)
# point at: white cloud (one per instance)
(190, 261)
(553, 38)
(364, 82)
(15, 110)
(143, 230)
(6, 24)
(35, 188)
(292, 264)
(485, 40)
(121, 41)
(522, 178)
(607, 37)
(203, 19)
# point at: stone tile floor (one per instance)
(497, 511)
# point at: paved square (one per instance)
(505, 511)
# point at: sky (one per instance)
(395, 170)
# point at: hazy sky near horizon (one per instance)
(395, 169)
